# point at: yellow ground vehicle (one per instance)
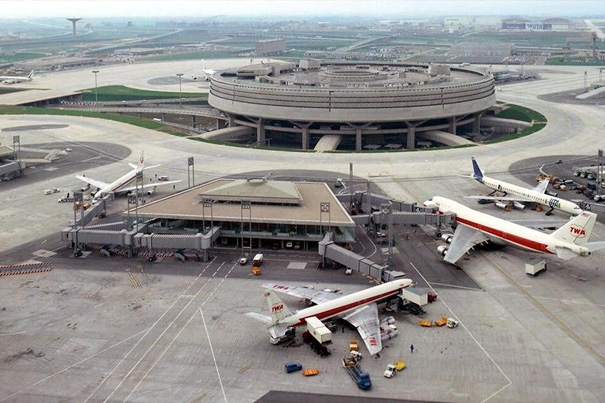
(256, 271)
(310, 372)
(400, 365)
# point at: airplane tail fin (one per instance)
(577, 230)
(279, 310)
(31, 74)
(541, 188)
(477, 172)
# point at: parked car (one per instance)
(349, 271)
(243, 260)
(289, 245)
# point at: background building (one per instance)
(356, 104)
(268, 47)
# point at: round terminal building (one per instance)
(351, 105)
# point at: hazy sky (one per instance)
(385, 8)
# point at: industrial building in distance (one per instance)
(549, 24)
(269, 47)
(359, 105)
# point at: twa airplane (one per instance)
(567, 242)
(207, 73)
(115, 187)
(522, 195)
(359, 309)
(16, 79)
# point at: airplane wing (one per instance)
(540, 224)
(365, 319)
(501, 198)
(147, 186)
(310, 294)
(464, 239)
(93, 182)
(541, 188)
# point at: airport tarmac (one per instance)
(85, 332)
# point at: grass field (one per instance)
(577, 61)
(26, 110)
(203, 54)
(525, 132)
(122, 93)
(517, 112)
(17, 57)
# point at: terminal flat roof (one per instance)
(187, 205)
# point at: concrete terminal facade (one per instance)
(260, 212)
(364, 102)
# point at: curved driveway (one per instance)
(571, 129)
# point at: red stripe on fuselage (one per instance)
(517, 240)
(335, 311)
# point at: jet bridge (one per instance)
(117, 234)
(403, 212)
(328, 249)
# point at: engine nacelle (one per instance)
(447, 238)
(518, 206)
(389, 336)
(503, 206)
(150, 191)
(442, 249)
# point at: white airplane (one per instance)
(521, 195)
(474, 227)
(115, 187)
(360, 309)
(16, 79)
(207, 73)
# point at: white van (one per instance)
(258, 259)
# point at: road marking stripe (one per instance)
(213, 356)
(472, 337)
(548, 313)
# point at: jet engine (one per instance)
(447, 238)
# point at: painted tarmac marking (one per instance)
(213, 356)
(457, 286)
(472, 337)
(179, 333)
(71, 366)
(146, 333)
(548, 313)
(160, 336)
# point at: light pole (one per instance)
(180, 75)
(96, 91)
